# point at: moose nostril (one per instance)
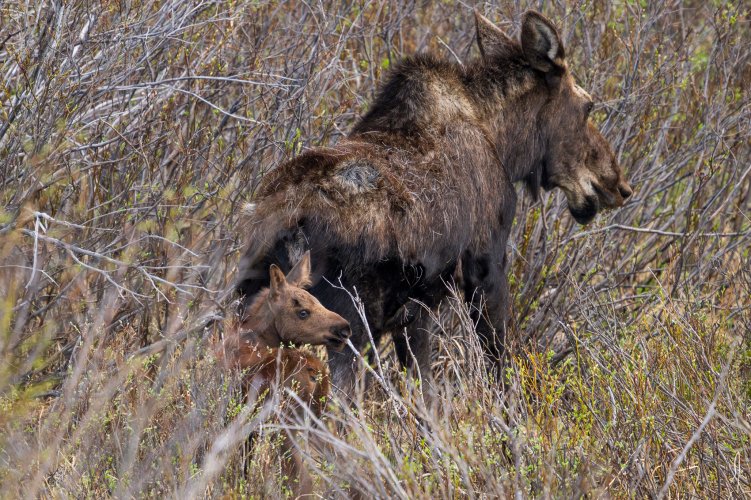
(625, 190)
(341, 331)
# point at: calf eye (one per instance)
(303, 313)
(588, 107)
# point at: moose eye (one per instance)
(303, 314)
(588, 107)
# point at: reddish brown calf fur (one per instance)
(304, 374)
(298, 370)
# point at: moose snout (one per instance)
(613, 196)
(339, 335)
(625, 190)
(341, 331)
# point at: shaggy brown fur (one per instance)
(425, 179)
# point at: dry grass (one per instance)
(132, 133)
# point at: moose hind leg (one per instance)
(295, 471)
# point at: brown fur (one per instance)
(296, 370)
(426, 179)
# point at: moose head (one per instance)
(563, 147)
(287, 313)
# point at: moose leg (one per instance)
(413, 345)
(345, 365)
(487, 295)
(294, 469)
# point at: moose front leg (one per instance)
(487, 295)
(345, 365)
(414, 348)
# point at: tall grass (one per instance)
(131, 133)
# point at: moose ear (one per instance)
(492, 41)
(278, 281)
(541, 44)
(300, 274)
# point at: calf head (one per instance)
(307, 376)
(287, 313)
(571, 153)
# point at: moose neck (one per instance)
(519, 141)
(509, 98)
(503, 97)
(260, 325)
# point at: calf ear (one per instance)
(300, 274)
(277, 281)
(541, 44)
(492, 41)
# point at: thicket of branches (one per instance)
(131, 134)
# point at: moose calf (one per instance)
(284, 313)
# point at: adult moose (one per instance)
(426, 180)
